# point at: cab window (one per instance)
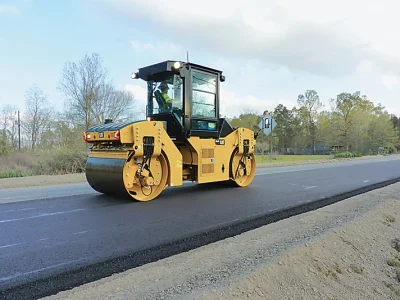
(204, 94)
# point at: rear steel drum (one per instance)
(105, 175)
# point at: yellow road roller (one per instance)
(182, 139)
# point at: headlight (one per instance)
(177, 65)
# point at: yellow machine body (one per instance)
(141, 159)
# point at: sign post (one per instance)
(262, 147)
(270, 150)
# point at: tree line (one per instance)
(353, 124)
(89, 98)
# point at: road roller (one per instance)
(183, 138)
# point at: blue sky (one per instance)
(269, 53)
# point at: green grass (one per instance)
(14, 173)
(291, 158)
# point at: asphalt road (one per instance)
(53, 230)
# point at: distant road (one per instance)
(58, 229)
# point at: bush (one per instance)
(3, 147)
(43, 162)
(347, 154)
(391, 149)
(62, 161)
(18, 161)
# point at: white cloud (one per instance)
(140, 93)
(160, 49)
(271, 51)
(140, 99)
(233, 104)
(9, 9)
(149, 52)
(329, 39)
(390, 81)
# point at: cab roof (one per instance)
(165, 68)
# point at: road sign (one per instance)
(266, 125)
(267, 119)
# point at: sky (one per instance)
(269, 51)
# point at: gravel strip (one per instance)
(336, 252)
(41, 180)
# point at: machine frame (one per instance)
(161, 151)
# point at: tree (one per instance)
(90, 96)
(249, 119)
(381, 133)
(286, 127)
(10, 125)
(396, 124)
(309, 107)
(37, 115)
(345, 107)
(395, 120)
(326, 131)
(112, 104)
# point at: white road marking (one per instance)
(82, 232)
(11, 245)
(43, 239)
(43, 215)
(38, 270)
(365, 181)
(22, 209)
(309, 187)
(280, 171)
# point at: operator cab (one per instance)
(186, 97)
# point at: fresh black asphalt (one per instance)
(52, 244)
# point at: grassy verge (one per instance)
(43, 162)
(291, 158)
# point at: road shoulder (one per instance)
(41, 181)
(342, 251)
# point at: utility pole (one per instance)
(19, 133)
